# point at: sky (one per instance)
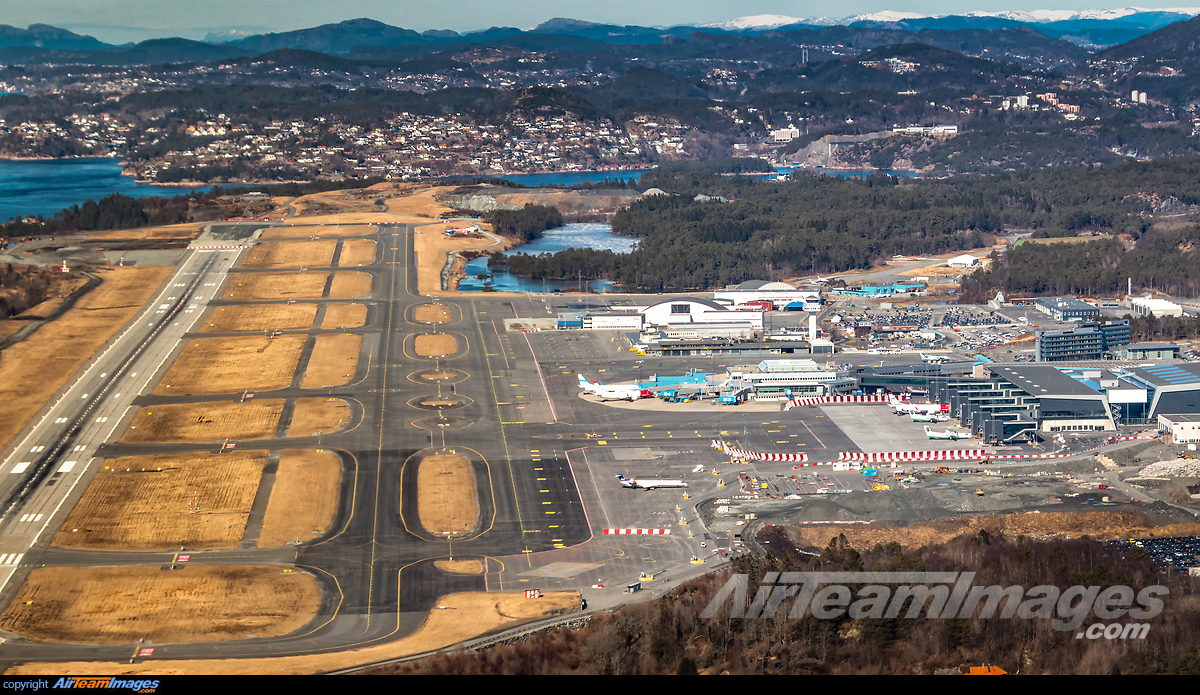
(135, 20)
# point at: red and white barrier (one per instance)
(1030, 456)
(744, 455)
(1124, 439)
(818, 400)
(885, 456)
(215, 248)
(638, 531)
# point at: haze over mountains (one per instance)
(1028, 32)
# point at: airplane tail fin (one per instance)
(927, 429)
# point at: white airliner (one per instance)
(645, 484)
(899, 406)
(821, 281)
(610, 393)
(948, 434)
(934, 359)
(919, 417)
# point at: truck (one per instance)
(732, 400)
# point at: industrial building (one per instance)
(1184, 428)
(781, 295)
(1066, 308)
(1154, 307)
(1145, 351)
(1086, 342)
(881, 290)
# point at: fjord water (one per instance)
(43, 187)
(590, 235)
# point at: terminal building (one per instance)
(777, 380)
(1005, 402)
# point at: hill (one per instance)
(1165, 64)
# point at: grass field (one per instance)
(34, 369)
(141, 503)
(259, 318)
(318, 416)
(246, 287)
(465, 615)
(333, 361)
(460, 566)
(205, 422)
(357, 252)
(303, 498)
(435, 345)
(291, 254)
(350, 227)
(348, 285)
(119, 605)
(432, 313)
(344, 316)
(447, 501)
(232, 365)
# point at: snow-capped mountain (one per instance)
(774, 21)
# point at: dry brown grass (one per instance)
(1100, 525)
(356, 252)
(258, 318)
(118, 605)
(432, 244)
(245, 287)
(187, 230)
(232, 365)
(432, 313)
(205, 422)
(144, 503)
(346, 225)
(303, 498)
(34, 369)
(350, 285)
(344, 316)
(291, 254)
(318, 416)
(333, 361)
(447, 499)
(435, 345)
(460, 566)
(471, 614)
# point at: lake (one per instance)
(592, 235)
(44, 187)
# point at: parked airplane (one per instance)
(934, 359)
(645, 484)
(948, 434)
(919, 417)
(610, 393)
(900, 407)
(821, 281)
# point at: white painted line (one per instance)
(20, 467)
(66, 467)
(36, 449)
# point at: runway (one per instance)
(544, 458)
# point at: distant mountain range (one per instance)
(1041, 38)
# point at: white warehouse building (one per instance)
(684, 310)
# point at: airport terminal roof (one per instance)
(1044, 382)
(1186, 373)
